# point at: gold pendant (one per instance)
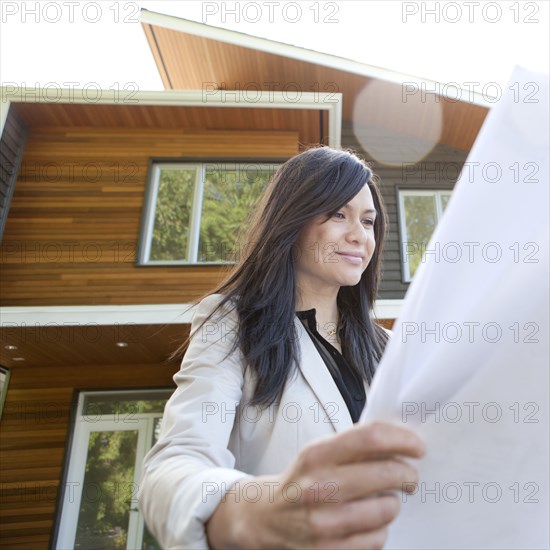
(331, 332)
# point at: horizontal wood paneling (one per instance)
(33, 434)
(73, 229)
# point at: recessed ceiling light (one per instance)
(9, 346)
(18, 358)
(122, 344)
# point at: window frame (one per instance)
(150, 204)
(5, 374)
(79, 422)
(402, 192)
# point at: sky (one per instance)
(102, 44)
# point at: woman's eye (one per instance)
(368, 221)
(339, 215)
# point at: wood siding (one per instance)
(439, 170)
(35, 430)
(74, 224)
(12, 146)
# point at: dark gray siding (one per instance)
(437, 171)
(12, 145)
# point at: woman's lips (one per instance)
(352, 259)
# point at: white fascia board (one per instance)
(153, 314)
(303, 54)
(388, 309)
(331, 102)
(195, 98)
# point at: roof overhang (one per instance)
(191, 55)
(92, 336)
(303, 54)
(330, 103)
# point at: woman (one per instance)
(258, 447)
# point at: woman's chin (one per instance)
(350, 281)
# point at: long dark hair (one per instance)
(262, 285)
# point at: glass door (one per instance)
(113, 432)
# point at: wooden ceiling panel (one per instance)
(161, 118)
(462, 123)
(54, 344)
(192, 62)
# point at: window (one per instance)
(112, 433)
(193, 211)
(4, 380)
(419, 213)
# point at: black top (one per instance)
(350, 385)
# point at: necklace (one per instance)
(331, 332)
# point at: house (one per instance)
(95, 289)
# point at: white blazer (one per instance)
(211, 437)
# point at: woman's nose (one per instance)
(357, 232)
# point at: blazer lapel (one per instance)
(318, 377)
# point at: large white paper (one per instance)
(472, 344)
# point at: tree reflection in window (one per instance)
(226, 193)
(420, 213)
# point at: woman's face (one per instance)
(335, 252)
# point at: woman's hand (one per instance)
(338, 493)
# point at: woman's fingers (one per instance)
(354, 517)
(360, 443)
(354, 499)
(346, 483)
(358, 480)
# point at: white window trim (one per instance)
(196, 215)
(150, 205)
(404, 238)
